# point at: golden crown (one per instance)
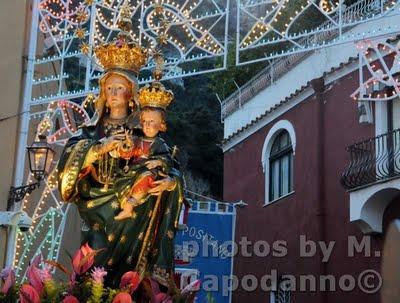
(121, 54)
(155, 95)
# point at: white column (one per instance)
(24, 123)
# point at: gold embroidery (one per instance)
(110, 237)
(90, 204)
(71, 170)
(134, 215)
(150, 213)
(96, 226)
(140, 237)
(167, 211)
(115, 205)
(170, 234)
(123, 239)
(110, 262)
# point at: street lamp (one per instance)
(40, 156)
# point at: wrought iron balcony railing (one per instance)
(373, 160)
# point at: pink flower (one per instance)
(70, 299)
(83, 259)
(162, 298)
(37, 276)
(72, 281)
(8, 277)
(192, 287)
(98, 274)
(27, 294)
(130, 280)
(157, 295)
(122, 297)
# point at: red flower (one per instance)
(157, 295)
(8, 277)
(37, 276)
(122, 297)
(70, 299)
(130, 280)
(83, 259)
(27, 294)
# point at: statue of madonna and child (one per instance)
(122, 176)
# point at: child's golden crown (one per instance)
(155, 95)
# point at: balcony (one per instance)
(373, 160)
(372, 179)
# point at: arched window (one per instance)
(277, 160)
(280, 166)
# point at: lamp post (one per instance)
(40, 156)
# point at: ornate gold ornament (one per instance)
(121, 54)
(155, 95)
(110, 237)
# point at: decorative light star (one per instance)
(85, 48)
(80, 33)
(81, 16)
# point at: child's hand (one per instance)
(153, 164)
(166, 184)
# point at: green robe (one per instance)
(143, 243)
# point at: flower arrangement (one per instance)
(85, 284)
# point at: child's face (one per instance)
(151, 121)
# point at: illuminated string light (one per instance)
(373, 54)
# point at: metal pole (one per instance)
(233, 241)
(340, 17)
(226, 36)
(237, 31)
(240, 94)
(220, 103)
(91, 43)
(24, 124)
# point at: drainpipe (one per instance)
(319, 86)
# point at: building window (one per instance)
(281, 166)
(277, 160)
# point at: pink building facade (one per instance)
(346, 224)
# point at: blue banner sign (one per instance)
(203, 249)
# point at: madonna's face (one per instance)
(117, 91)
